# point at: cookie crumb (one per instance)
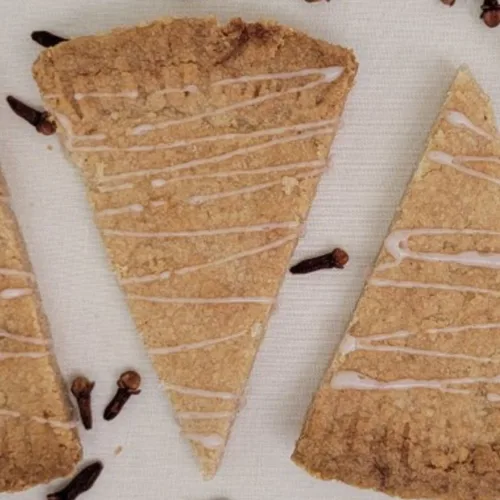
(118, 450)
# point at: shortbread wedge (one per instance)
(38, 439)
(411, 402)
(201, 146)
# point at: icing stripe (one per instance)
(15, 272)
(23, 338)
(210, 441)
(352, 344)
(458, 119)
(396, 244)
(199, 300)
(109, 212)
(199, 393)
(133, 94)
(270, 226)
(218, 158)
(447, 160)
(40, 420)
(161, 351)
(199, 199)
(230, 258)
(184, 143)
(159, 183)
(352, 380)
(204, 415)
(117, 187)
(432, 286)
(17, 355)
(329, 76)
(15, 293)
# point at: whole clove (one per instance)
(128, 385)
(336, 259)
(39, 119)
(491, 13)
(47, 39)
(81, 388)
(81, 483)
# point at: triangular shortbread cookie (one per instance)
(410, 403)
(202, 146)
(38, 439)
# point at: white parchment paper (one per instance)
(408, 51)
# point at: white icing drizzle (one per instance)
(15, 293)
(356, 381)
(15, 272)
(479, 159)
(230, 258)
(40, 420)
(204, 415)
(397, 245)
(184, 143)
(161, 351)
(133, 94)
(210, 441)
(116, 187)
(458, 329)
(352, 380)
(130, 94)
(328, 75)
(270, 226)
(458, 119)
(23, 338)
(55, 423)
(67, 126)
(257, 330)
(450, 161)
(432, 286)
(109, 212)
(200, 393)
(199, 199)
(158, 203)
(351, 344)
(202, 301)
(16, 355)
(158, 183)
(244, 151)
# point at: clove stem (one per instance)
(81, 483)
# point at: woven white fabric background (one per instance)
(408, 53)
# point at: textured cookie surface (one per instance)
(38, 440)
(411, 402)
(201, 146)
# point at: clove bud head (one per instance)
(340, 258)
(130, 381)
(491, 17)
(82, 387)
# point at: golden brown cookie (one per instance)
(38, 439)
(411, 402)
(202, 146)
